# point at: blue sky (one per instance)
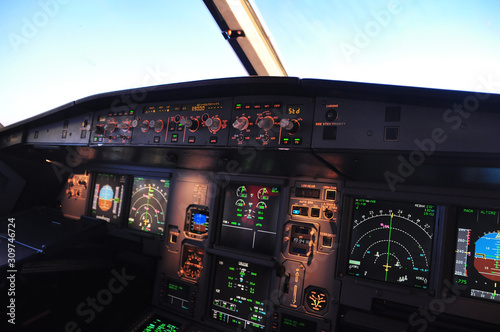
(57, 51)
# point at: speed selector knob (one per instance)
(292, 126)
(266, 123)
(110, 127)
(213, 123)
(241, 123)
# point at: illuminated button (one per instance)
(299, 192)
(156, 139)
(257, 106)
(191, 139)
(315, 193)
(247, 106)
(238, 106)
(330, 194)
(300, 210)
(276, 105)
(315, 212)
(180, 127)
(286, 141)
(297, 141)
(175, 138)
(171, 126)
(95, 139)
(213, 139)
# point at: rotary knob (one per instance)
(191, 124)
(144, 126)
(213, 123)
(241, 123)
(110, 127)
(156, 125)
(125, 126)
(266, 123)
(292, 126)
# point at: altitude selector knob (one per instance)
(292, 126)
(241, 123)
(266, 123)
(213, 123)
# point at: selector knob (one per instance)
(213, 123)
(144, 126)
(331, 114)
(292, 126)
(157, 125)
(241, 123)
(191, 124)
(125, 126)
(266, 123)
(110, 127)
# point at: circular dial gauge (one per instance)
(192, 262)
(316, 300)
(392, 242)
(148, 205)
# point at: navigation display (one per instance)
(250, 218)
(239, 294)
(477, 261)
(392, 241)
(148, 205)
(108, 197)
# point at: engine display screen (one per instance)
(160, 324)
(148, 205)
(239, 294)
(392, 241)
(250, 218)
(477, 260)
(108, 197)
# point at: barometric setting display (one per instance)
(148, 205)
(392, 241)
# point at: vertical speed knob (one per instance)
(241, 123)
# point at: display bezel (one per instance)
(224, 194)
(403, 204)
(131, 202)
(123, 200)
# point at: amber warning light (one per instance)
(232, 34)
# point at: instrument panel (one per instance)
(284, 211)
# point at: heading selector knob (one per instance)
(292, 126)
(241, 123)
(192, 124)
(158, 125)
(266, 123)
(125, 126)
(213, 123)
